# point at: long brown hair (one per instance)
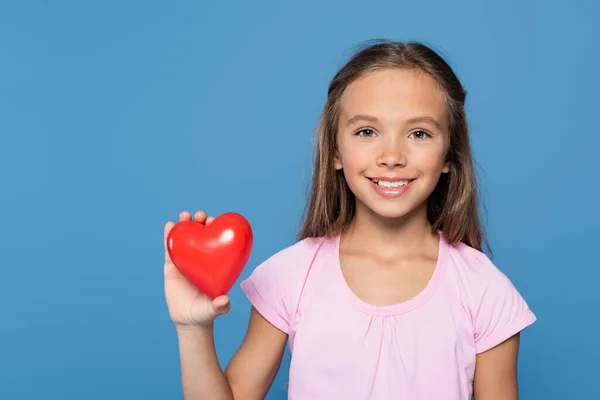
(453, 206)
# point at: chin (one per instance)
(394, 214)
(390, 211)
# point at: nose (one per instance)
(391, 153)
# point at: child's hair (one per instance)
(453, 206)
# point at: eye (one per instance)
(366, 132)
(420, 134)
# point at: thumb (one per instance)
(221, 305)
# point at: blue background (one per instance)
(116, 115)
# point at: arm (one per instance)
(201, 375)
(254, 366)
(496, 372)
(250, 372)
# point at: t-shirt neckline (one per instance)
(399, 308)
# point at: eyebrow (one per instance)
(425, 118)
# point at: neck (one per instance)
(391, 236)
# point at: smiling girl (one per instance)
(387, 293)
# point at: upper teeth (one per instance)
(390, 183)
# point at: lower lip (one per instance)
(392, 192)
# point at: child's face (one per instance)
(402, 138)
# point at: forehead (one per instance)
(394, 95)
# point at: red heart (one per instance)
(211, 257)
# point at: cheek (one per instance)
(352, 157)
(430, 160)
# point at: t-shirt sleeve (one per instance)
(500, 310)
(273, 287)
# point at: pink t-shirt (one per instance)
(423, 348)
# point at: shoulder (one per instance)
(495, 306)
(275, 285)
(474, 266)
(477, 275)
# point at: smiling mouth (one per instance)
(389, 183)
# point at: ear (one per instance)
(337, 161)
(446, 167)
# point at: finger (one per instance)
(184, 216)
(168, 226)
(200, 216)
(209, 220)
(221, 305)
(221, 301)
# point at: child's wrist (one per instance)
(194, 329)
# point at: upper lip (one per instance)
(390, 179)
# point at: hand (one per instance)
(189, 308)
